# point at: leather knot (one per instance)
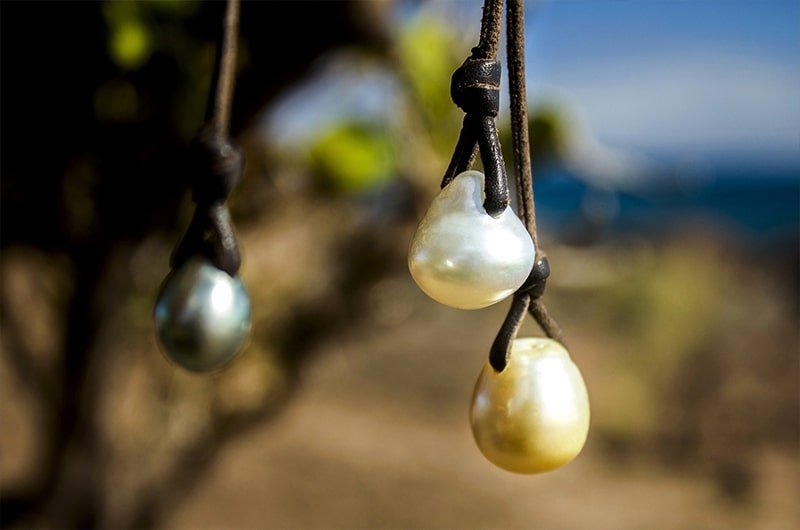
(217, 165)
(475, 87)
(537, 279)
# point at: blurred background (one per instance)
(666, 148)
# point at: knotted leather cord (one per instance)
(475, 88)
(216, 164)
(535, 285)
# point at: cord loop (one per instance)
(475, 88)
(210, 235)
(216, 164)
(501, 347)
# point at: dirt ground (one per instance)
(377, 436)
(689, 355)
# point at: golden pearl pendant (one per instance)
(534, 415)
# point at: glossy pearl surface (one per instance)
(202, 316)
(534, 415)
(464, 258)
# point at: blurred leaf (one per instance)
(351, 157)
(548, 132)
(139, 29)
(425, 47)
(547, 126)
(429, 54)
(130, 44)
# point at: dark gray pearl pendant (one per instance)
(202, 316)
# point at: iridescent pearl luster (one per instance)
(464, 258)
(534, 415)
(202, 316)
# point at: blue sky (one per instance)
(718, 79)
(715, 81)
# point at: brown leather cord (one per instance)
(475, 88)
(528, 297)
(216, 164)
(515, 57)
(491, 20)
(219, 108)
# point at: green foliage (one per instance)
(133, 28)
(548, 131)
(130, 44)
(425, 49)
(352, 157)
(429, 53)
(136, 33)
(547, 126)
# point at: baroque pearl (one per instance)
(464, 258)
(534, 415)
(202, 316)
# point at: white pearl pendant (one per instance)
(464, 258)
(202, 316)
(534, 415)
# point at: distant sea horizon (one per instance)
(760, 205)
